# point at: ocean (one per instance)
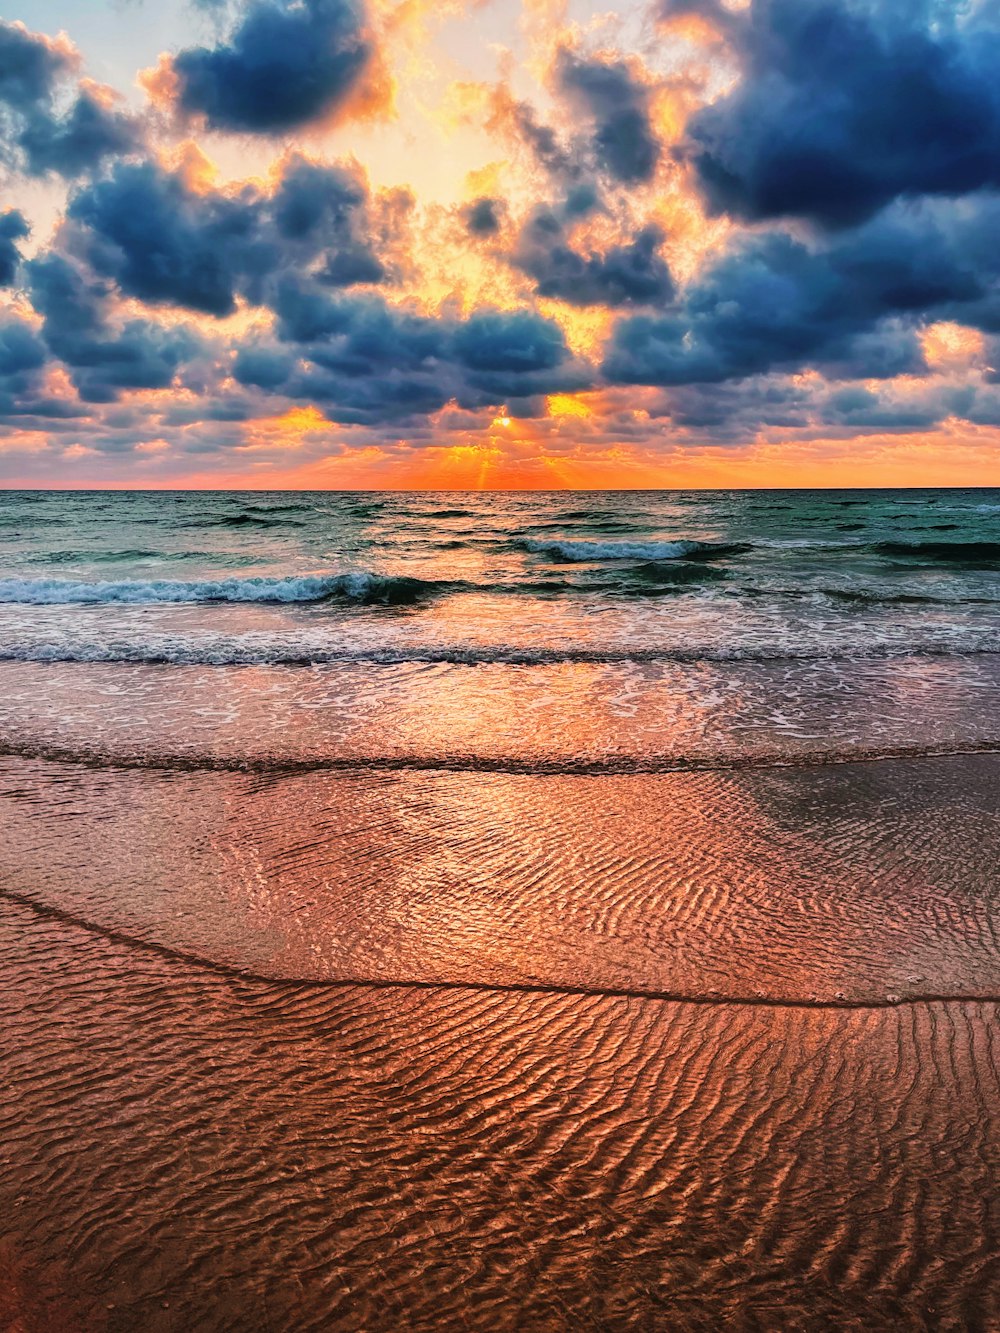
(621, 629)
(492, 911)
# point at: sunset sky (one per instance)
(499, 244)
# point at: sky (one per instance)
(405, 243)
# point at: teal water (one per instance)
(317, 576)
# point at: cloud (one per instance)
(613, 138)
(623, 275)
(845, 105)
(21, 352)
(623, 141)
(103, 357)
(773, 302)
(13, 228)
(367, 362)
(516, 341)
(483, 216)
(162, 241)
(285, 65)
(322, 208)
(35, 135)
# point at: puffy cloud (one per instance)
(844, 105)
(103, 357)
(774, 302)
(284, 65)
(483, 216)
(613, 138)
(520, 120)
(13, 228)
(624, 275)
(164, 242)
(21, 351)
(35, 135)
(504, 341)
(325, 209)
(623, 143)
(367, 362)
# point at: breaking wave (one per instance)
(362, 588)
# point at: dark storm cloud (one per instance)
(317, 203)
(629, 274)
(36, 136)
(30, 68)
(78, 141)
(773, 302)
(284, 65)
(13, 228)
(102, 358)
(738, 411)
(623, 141)
(844, 105)
(356, 334)
(162, 242)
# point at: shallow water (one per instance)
(513, 912)
(863, 884)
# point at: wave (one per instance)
(114, 557)
(589, 525)
(587, 551)
(959, 553)
(719, 759)
(675, 573)
(251, 520)
(235, 654)
(362, 588)
(281, 509)
(866, 597)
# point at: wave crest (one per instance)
(362, 588)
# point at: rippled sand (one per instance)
(187, 1150)
(492, 1050)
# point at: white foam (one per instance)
(305, 588)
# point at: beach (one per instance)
(517, 912)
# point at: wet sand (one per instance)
(679, 1050)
